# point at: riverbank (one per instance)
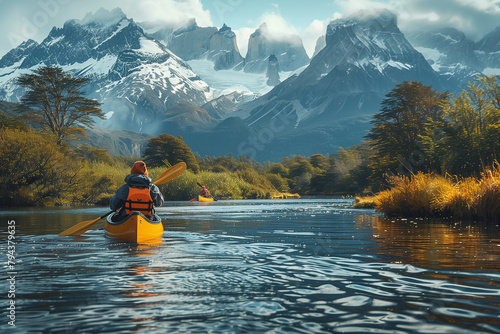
(432, 195)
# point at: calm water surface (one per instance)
(291, 266)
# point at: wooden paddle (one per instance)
(166, 176)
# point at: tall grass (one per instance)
(221, 185)
(99, 181)
(431, 195)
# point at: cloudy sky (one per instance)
(24, 19)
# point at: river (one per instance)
(282, 266)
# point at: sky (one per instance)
(33, 19)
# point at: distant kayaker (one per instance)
(204, 192)
(138, 194)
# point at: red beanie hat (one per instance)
(139, 167)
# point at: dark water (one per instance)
(293, 266)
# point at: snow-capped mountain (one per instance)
(449, 52)
(135, 77)
(289, 51)
(331, 102)
(363, 59)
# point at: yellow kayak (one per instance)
(205, 199)
(134, 228)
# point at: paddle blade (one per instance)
(171, 173)
(79, 228)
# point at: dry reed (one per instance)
(431, 195)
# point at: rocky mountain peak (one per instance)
(262, 43)
(378, 20)
(103, 18)
(273, 69)
(226, 31)
(367, 25)
(490, 42)
(262, 30)
(449, 52)
(17, 54)
(190, 26)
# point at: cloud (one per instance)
(33, 19)
(474, 18)
(170, 11)
(310, 36)
(315, 30)
(350, 7)
(278, 29)
(242, 36)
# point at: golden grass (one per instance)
(365, 202)
(431, 195)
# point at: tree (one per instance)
(35, 174)
(167, 149)
(94, 154)
(398, 129)
(471, 128)
(56, 102)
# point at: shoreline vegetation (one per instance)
(432, 195)
(47, 174)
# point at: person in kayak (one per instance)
(138, 194)
(204, 192)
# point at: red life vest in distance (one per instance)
(204, 192)
(139, 199)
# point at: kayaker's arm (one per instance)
(118, 201)
(156, 196)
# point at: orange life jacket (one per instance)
(139, 199)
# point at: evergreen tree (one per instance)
(56, 102)
(398, 129)
(472, 129)
(169, 150)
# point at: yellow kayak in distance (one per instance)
(135, 227)
(205, 199)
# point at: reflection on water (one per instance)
(437, 244)
(298, 266)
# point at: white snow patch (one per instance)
(432, 56)
(149, 46)
(428, 53)
(227, 81)
(447, 37)
(399, 65)
(55, 40)
(491, 71)
(92, 66)
(123, 24)
(104, 18)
